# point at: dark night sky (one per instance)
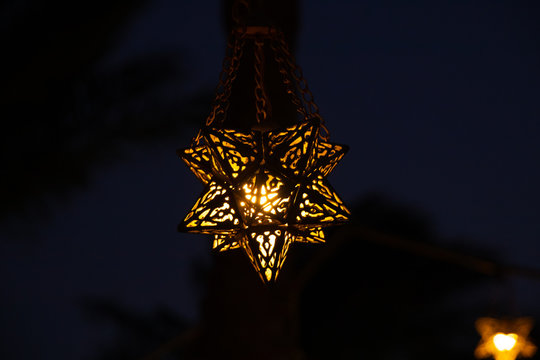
(437, 100)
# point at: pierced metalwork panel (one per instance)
(328, 156)
(268, 250)
(291, 150)
(313, 235)
(264, 198)
(238, 153)
(224, 242)
(213, 213)
(200, 161)
(319, 204)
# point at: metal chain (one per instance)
(228, 74)
(291, 73)
(285, 77)
(301, 83)
(223, 81)
(235, 62)
(261, 98)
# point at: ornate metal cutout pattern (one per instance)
(236, 152)
(268, 249)
(266, 199)
(226, 242)
(320, 205)
(329, 155)
(200, 162)
(291, 151)
(264, 191)
(310, 235)
(214, 212)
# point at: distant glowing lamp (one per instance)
(505, 342)
(504, 339)
(265, 187)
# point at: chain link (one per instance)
(229, 72)
(233, 73)
(285, 77)
(261, 98)
(291, 74)
(301, 83)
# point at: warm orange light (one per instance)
(505, 342)
(264, 191)
(504, 339)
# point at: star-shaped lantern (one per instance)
(264, 191)
(504, 339)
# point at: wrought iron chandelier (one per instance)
(265, 187)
